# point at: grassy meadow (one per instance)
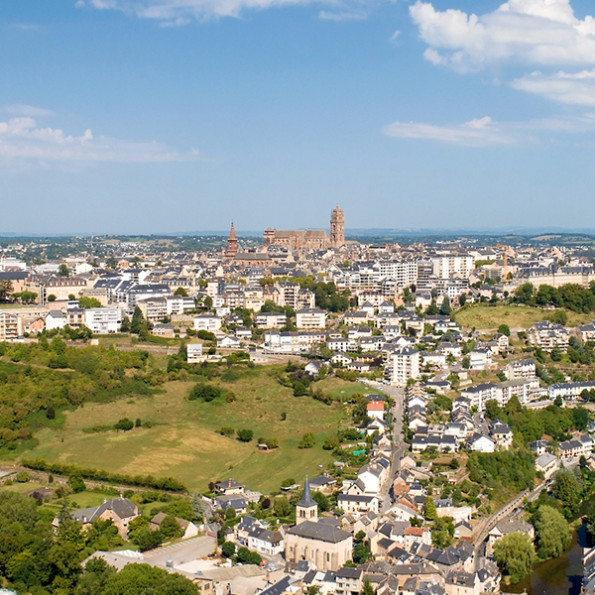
(488, 317)
(184, 441)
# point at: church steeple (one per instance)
(232, 243)
(306, 508)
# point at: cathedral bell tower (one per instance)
(337, 227)
(232, 243)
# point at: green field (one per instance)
(487, 317)
(184, 441)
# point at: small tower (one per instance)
(232, 243)
(307, 508)
(337, 227)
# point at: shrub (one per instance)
(307, 440)
(245, 435)
(22, 477)
(124, 424)
(330, 443)
(227, 431)
(206, 392)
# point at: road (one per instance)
(399, 445)
(482, 530)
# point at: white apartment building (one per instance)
(404, 364)
(480, 394)
(103, 321)
(310, 318)
(207, 322)
(448, 266)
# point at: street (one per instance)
(399, 445)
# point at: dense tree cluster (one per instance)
(529, 425)
(571, 296)
(507, 469)
(50, 376)
(36, 559)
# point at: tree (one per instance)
(146, 539)
(367, 588)
(63, 271)
(431, 513)
(197, 506)
(307, 440)
(567, 489)
(125, 326)
(181, 291)
(205, 392)
(140, 579)
(515, 555)
(282, 507)
(361, 553)
(443, 531)
(138, 322)
(5, 289)
(504, 329)
(492, 409)
(25, 297)
(324, 504)
(76, 483)
(245, 556)
(552, 531)
(228, 549)
(169, 527)
(124, 424)
(89, 302)
(445, 308)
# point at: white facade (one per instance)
(404, 365)
(103, 321)
(207, 322)
(310, 318)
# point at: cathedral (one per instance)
(300, 239)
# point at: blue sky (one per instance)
(143, 116)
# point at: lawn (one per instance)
(184, 441)
(486, 317)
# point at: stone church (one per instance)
(319, 541)
(300, 239)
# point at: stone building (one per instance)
(319, 541)
(311, 239)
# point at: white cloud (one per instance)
(181, 12)
(574, 89)
(480, 132)
(342, 16)
(22, 139)
(535, 32)
(20, 109)
(483, 132)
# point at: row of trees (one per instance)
(571, 296)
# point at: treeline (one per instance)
(571, 296)
(168, 484)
